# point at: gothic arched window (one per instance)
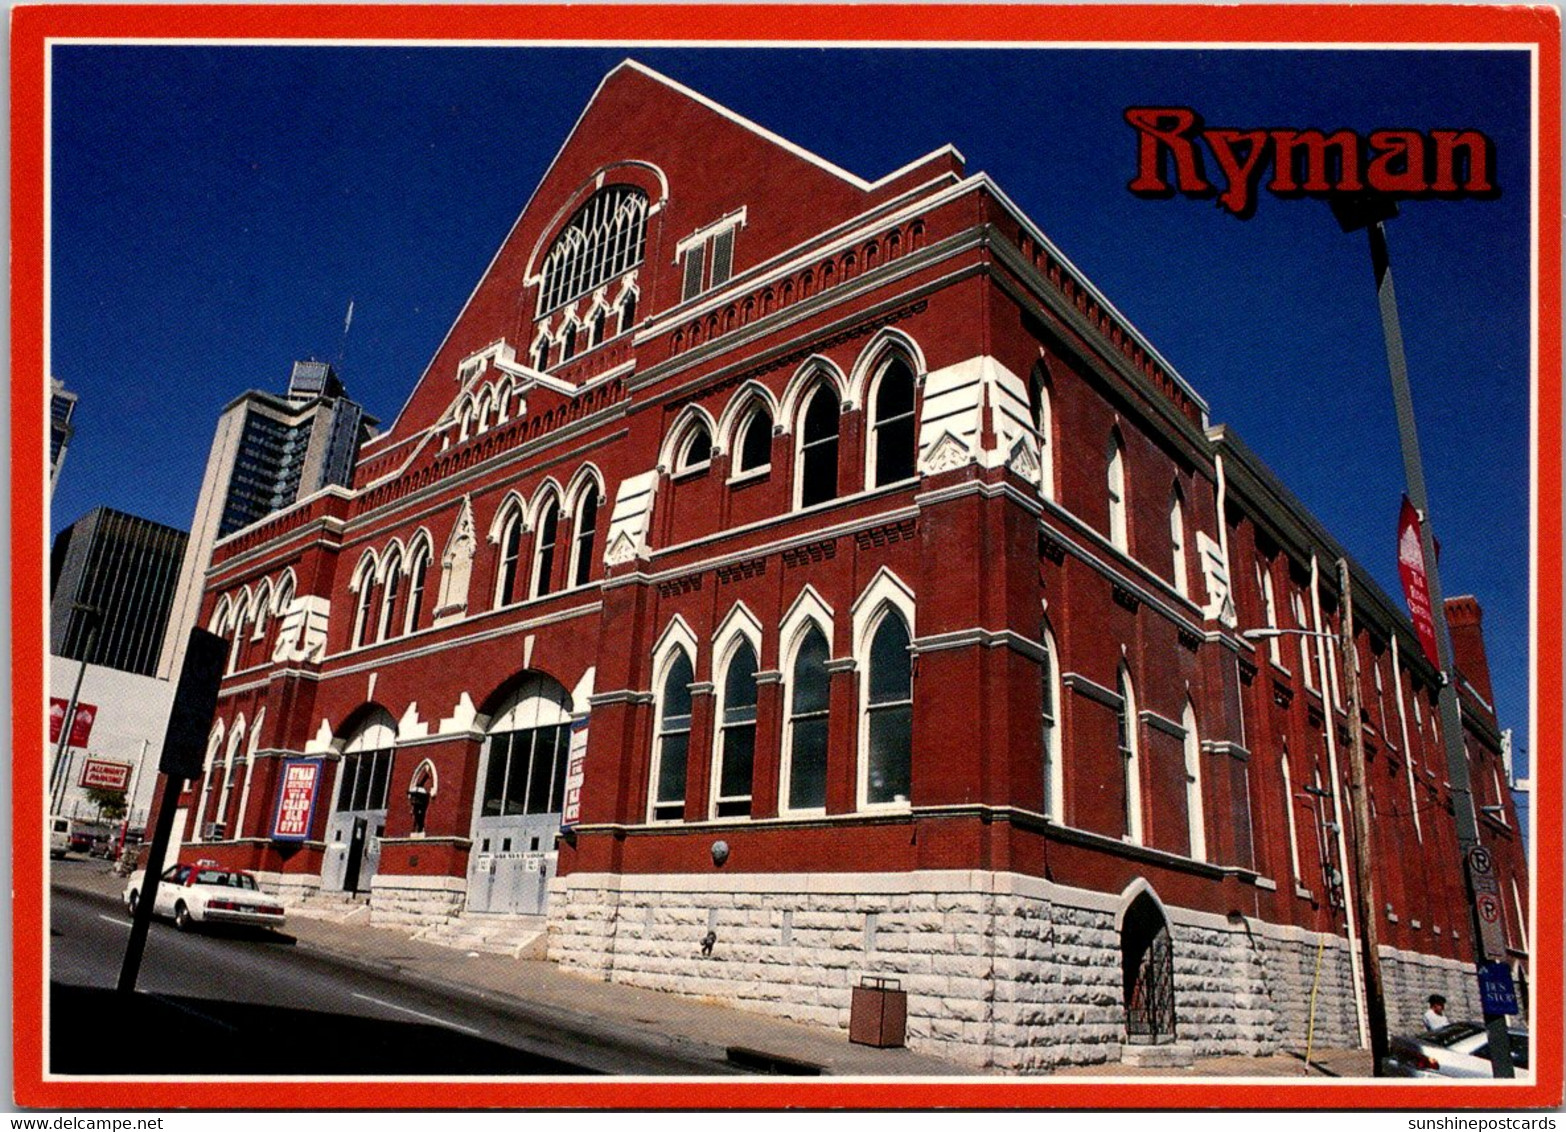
(603, 240)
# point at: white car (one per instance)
(59, 836)
(1460, 1049)
(205, 894)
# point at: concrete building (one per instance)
(111, 579)
(268, 452)
(130, 715)
(62, 406)
(779, 578)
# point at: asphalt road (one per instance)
(253, 1003)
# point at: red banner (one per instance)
(105, 775)
(81, 726)
(1411, 568)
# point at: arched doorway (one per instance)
(520, 799)
(1147, 969)
(358, 818)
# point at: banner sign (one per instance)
(1411, 569)
(81, 725)
(576, 760)
(105, 775)
(296, 799)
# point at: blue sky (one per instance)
(215, 208)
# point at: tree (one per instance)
(110, 803)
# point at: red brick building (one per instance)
(866, 596)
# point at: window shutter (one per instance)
(693, 264)
(722, 257)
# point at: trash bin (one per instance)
(878, 1015)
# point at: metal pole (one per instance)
(1375, 999)
(1450, 709)
(141, 919)
(70, 711)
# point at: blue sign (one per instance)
(1497, 994)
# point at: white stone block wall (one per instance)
(1001, 971)
(1409, 979)
(415, 902)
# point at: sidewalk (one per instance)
(691, 1026)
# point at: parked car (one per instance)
(59, 836)
(1461, 1049)
(205, 894)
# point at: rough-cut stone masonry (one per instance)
(1004, 972)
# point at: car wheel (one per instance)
(130, 902)
(182, 919)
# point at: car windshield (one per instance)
(226, 880)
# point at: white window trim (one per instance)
(1132, 754)
(1288, 809)
(1182, 574)
(677, 636)
(873, 420)
(739, 627)
(535, 572)
(885, 594)
(808, 610)
(799, 445)
(1115, 483)
(1195, 812)
(1054, 762)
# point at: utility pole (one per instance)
(56, 785)
(1375, 998)
(1372, 215)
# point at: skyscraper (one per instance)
(118, 571)
(268, 452)
(62, 405)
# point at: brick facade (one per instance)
(993, 883)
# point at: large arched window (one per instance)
(888, 715)
(418, 578)
(736, 756)
(1194, 813)
(510, 553)
(1054, 772)
(603, 240)
(529, 740)
(366, 763)
(586, 530)
(806, 715)
(695, 450)
(1116, 483)
(755, 442)
(1128, 741)
(390, 593)
(818, 448)
(1182, 580)
(364, 619)
(892, 445)
(672, 746)
(1041, 410)
(284, 599)
(544, 552)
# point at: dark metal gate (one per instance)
(1148, 966)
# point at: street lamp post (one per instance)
(1353, 214)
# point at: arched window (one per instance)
(568, 343)
(418, 577)
(604, 239)
(806, 712)
(818, 448)
(389, 626)
(755, 442)
(1041, 412)
(211, 764)
(285, 598)
(236, 644)
(735, 763)
(1182, 581)
(540, 357)
(888, 720)
(586, 530)
(892, 445)
(1116, 478)
(1127, 740)
(627, 311)
(1194, 814)
(529, 742)
(366, 765)
(671, 752)
(222, 823)
(510, 552)
(695, 450)
(364, 619)
(1054, 772)
(600, 316)
(544, 553)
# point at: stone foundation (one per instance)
(415, 901)
(1002, 971)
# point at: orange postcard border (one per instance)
(33, 26)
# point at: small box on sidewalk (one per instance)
(878, 1015)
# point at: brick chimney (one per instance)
(1465, 618)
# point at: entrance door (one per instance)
(358, 819)
(1147, 967)
(522, 791)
